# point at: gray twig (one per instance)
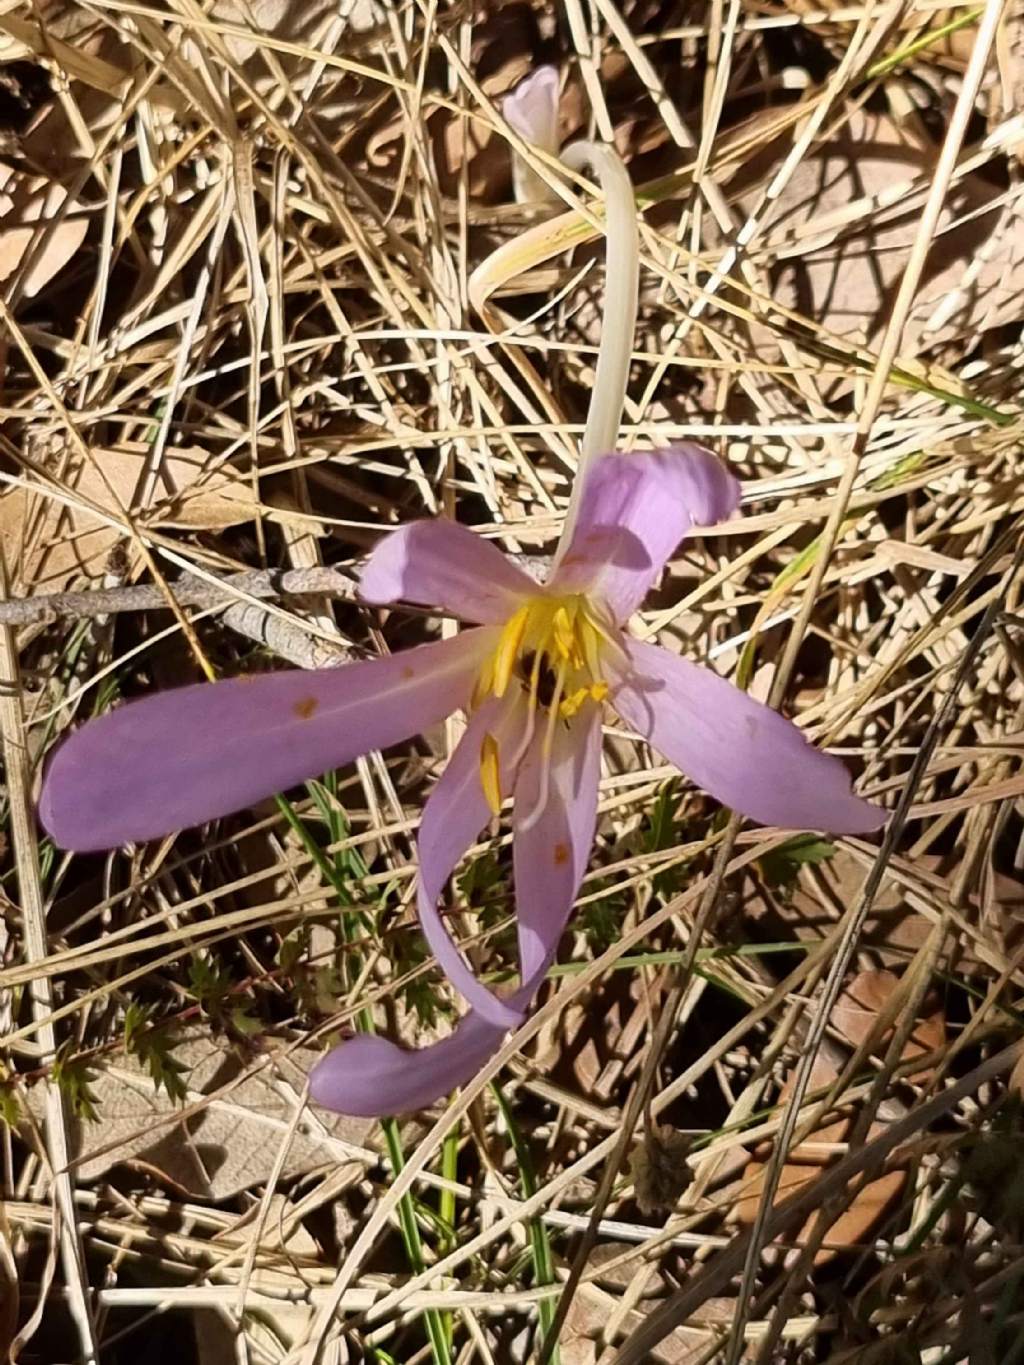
(189, 591)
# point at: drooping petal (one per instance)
(634, 511)
(369, 1077)
(192, 754)
(745, 754)
(441, 564)
(453, 817)
(553, 834)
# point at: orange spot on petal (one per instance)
(408, 672)
(305, 708)
(561, 854)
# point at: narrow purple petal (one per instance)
(182, 757)
(552, 841)
(745, 754)
(634, 511)
(441, 564)
(368, 1076)
(452, 819)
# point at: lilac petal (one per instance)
(745, 754)
(634, 511)
(192, 754)
(453, 817)
(532, 109)
(551, 850)
(441, 564)
(368, 1076)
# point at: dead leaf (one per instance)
(854, 1016)
(823, 1072)
(951, 50)
(28, 203)
(50, 544)
(863, 1000)
(893, 928)
(1006, 95)
(851, 1228)
(231, 1144)
(286, 20)
(839, 240)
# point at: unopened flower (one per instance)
(535, 677)
(532, 110)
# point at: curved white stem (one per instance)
(621, 298)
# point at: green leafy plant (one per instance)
(781, 866)
(151, 1045)
(72, 1075)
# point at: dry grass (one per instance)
(257, 318)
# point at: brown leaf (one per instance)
(293, 21)
(27, 204)
(50, 544)
(951, 50)
(892, 924)
(839, 240)
(852, 1226)
(865, 997)
(854, 1016)
(231, 1144)
(823, 1072)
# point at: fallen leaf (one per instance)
(892, 930)
(851, 1228)
(232, 1143)
(854, 1016)
(28, 204)
(287, 20)
(840, 234)
(950, 50)
(863, 1000)
(823, 1072)
(50, 543)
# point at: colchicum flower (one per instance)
(532, 110)
(535, 675)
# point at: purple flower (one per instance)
(532, 111)
(534, 677)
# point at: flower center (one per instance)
(551, 648)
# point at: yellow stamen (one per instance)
(573, 702)
(552, 648)
(490, 773)
(563, 634)
(508, 650)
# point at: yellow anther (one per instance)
(563, 633)
(490, 773)
(572, 703)
(508, 650)
(553, 648)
